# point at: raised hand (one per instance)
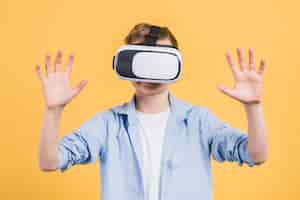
(248, 82)
(56, 82)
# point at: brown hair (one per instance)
(138, 32)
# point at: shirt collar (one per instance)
(178, 108)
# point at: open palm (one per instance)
(248, 82)
(56, 82)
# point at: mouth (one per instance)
(149, 84)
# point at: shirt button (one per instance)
(169, 164)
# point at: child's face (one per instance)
(148, 89)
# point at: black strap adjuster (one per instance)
(152, 36)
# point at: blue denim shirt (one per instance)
(193, 136)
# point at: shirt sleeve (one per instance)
(84, 144)
(225, 143)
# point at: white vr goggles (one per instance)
(148, 62)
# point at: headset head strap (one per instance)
(152, 36)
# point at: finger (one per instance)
(233, 68)
(58, 61)
(69, 64)
(79, 87)
(39, 73)
(241, 59)
(251, 59)
(48, 64)
(262, 67)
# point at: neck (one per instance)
(152, 104)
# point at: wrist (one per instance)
(54, 110)
(252, 106)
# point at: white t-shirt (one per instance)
(152, 128)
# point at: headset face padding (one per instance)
(158, 64)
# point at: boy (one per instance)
(156, 146)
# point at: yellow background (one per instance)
(93, 30)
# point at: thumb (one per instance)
(79, 87)
(226, 90)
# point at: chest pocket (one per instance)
(188, 153)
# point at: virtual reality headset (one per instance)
(148, 61)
